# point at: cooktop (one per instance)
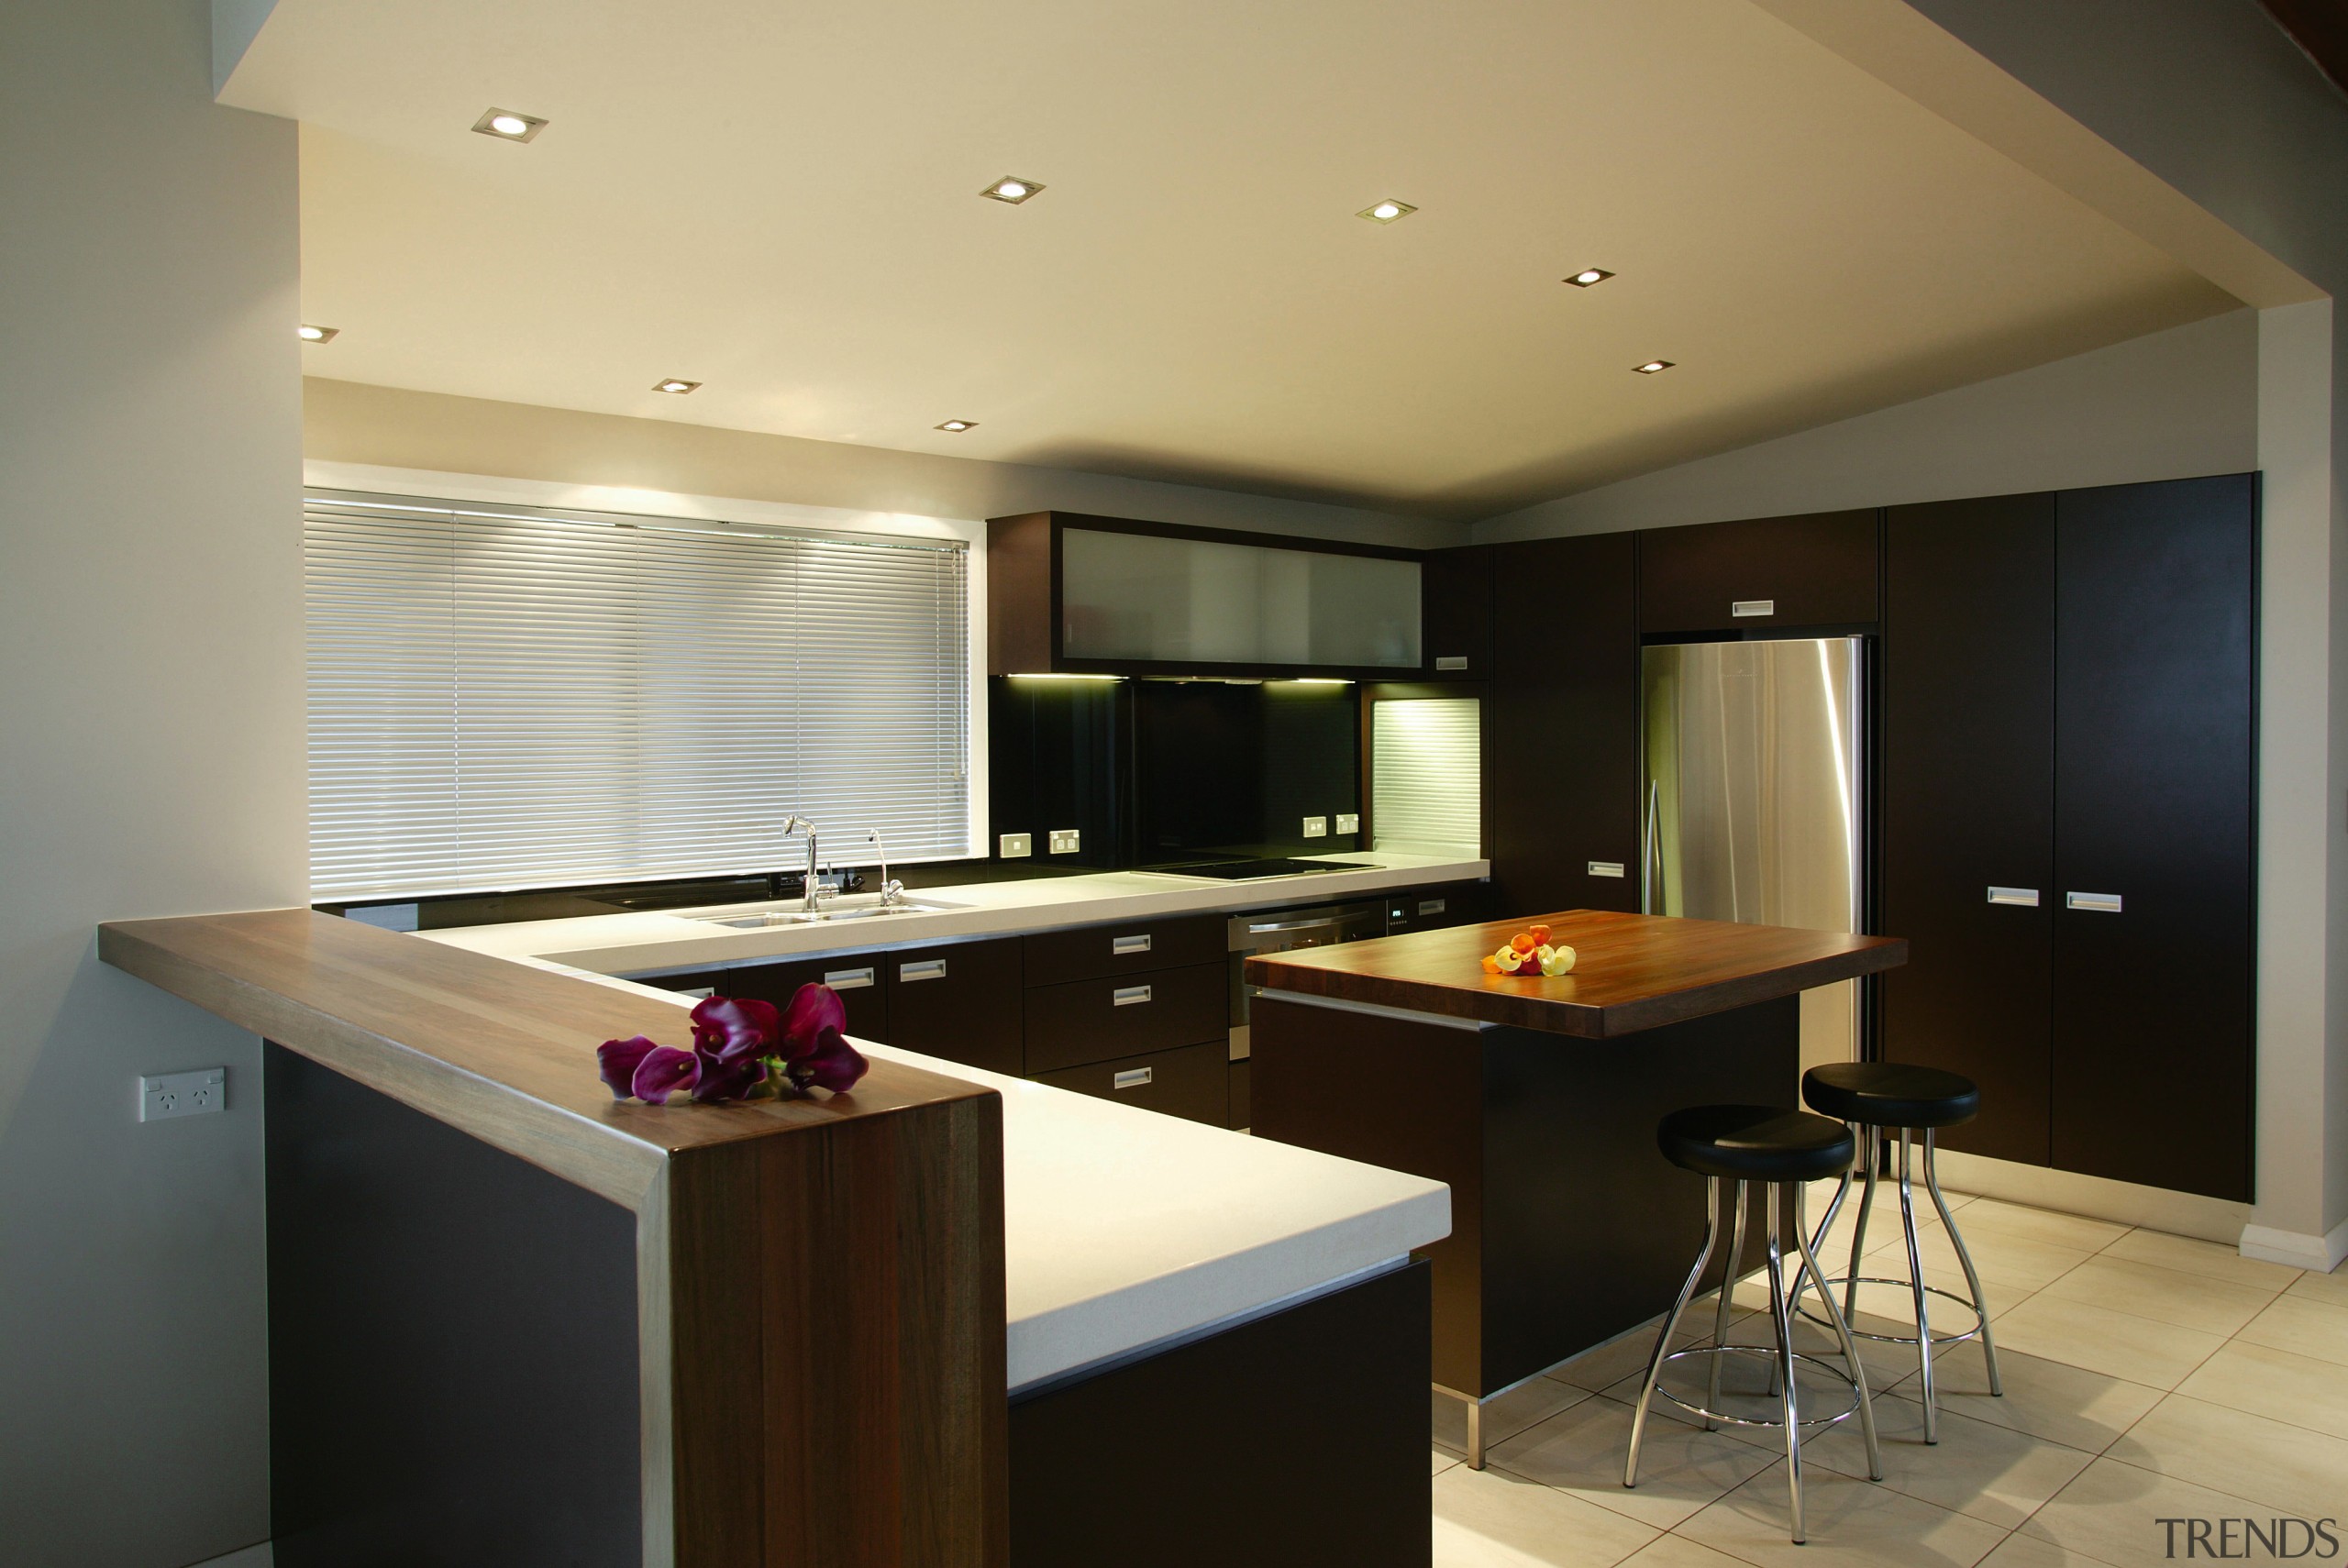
(1250, 870)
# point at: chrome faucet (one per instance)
(891, 891)
(812, 887)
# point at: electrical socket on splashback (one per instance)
(1013, 846)
(1316, 827)
(1064, 840)
(183, 1093)
(1348, 821)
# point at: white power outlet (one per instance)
(1316, 827)
(183, 1093)
(1065, 840)
(1013, 846)
(1348, 821)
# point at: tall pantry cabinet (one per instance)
(2069, 838)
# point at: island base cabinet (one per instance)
(1296, 1438)
(1569, 1227)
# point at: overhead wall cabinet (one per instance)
(1818, 569)
(1457, 590)
(2069, 843)
(1068, 593)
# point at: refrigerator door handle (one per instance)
(1651, 848)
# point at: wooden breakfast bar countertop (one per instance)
(1631, 972)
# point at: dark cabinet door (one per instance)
(855, 976)
(2154, 954)
(1082, 1022)
(1813, 570)
(1968, 799)
(1455, 619)
(960, 1001)
(1190, 1081)
(1561, 720)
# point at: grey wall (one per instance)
(151, 763)
(2169, 405)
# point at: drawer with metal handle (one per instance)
(1082, 1022)
(2093, 904)
(1131, 947)
(961, 1001)
(1190, 1081)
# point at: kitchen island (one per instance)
(947, 1319)
(1537, 1100)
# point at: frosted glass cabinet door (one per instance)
(1142, 597)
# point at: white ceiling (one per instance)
(780, 201)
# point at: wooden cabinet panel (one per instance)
(1132, 947)
(1126, 1015)
(1561, 725)
(960, 1001)
(1968, 796)
(1455, 623)
(2155, 663)
(1813, 570)
(1190, 1081)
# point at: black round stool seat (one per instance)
(1891, 1094)
(1755, 1142)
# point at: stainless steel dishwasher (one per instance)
(1277, 931)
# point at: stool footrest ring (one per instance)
(1768, 1354)
(1808, 1316)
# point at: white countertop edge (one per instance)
(650, 942)
(1042, 1382)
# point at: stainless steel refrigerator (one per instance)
(1752, 784)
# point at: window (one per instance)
(508, 697)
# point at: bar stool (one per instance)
(1875, 1096)
(1763, 1148)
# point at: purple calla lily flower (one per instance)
(729, 1080)
(736, 1029)
(664, 1071)
(833, 1065)
(815, 1009)
(619, 1059)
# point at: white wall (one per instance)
(350, 422)
(151, 764)
(2169, 405)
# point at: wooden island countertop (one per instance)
(1631, 972)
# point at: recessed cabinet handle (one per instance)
(928, 969)
(1129, 944)
(2095, 903)
(2025, 897)
(1743, 608)
(1132, 1078)
(1430, 906)
(1606, 869)
(1451, 661)
(1126, 996)
(848, 980)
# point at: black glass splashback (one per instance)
(1223, 769)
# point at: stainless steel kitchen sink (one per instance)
(759, 917)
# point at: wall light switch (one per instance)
(183, 1093)
(1013, 846)
(1064, 841)
(1348, 821)
(1316, 827)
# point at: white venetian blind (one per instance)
(1427, 775)
(509, 697)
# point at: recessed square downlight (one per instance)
(1012, 189)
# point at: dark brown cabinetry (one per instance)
(2068, 783)
(1190, 1081)
(1818, 569)
(1091, 1020)
(1129, 947)
(2154, 666)
(1968, 796)
(960, 1000)
(857, 976)
(1561, 725)
(1455, 623)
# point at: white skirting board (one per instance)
(2321, 1254)
(2121, 1202)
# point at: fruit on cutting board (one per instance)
(1529, 953)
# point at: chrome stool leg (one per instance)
(1972, 1280)
(1720, 1313)
(1671, 1322)
(1916, 1293)
(1870, 1155)
(1782, 1319)
(1843, 1335)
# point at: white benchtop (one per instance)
(1123, 1231)
(646, 943)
